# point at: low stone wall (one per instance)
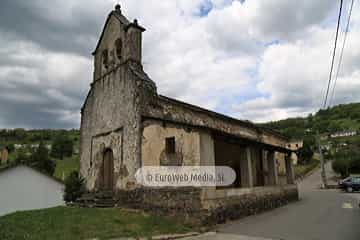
(180, 203)
(231, 204)
(188, 204)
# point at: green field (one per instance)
(66, 166)
(63, 223)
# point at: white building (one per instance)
(343, 134)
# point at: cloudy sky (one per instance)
(255, 59)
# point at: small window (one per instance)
(118, 48)
(170, 145)
(297, 145)
(105, 58)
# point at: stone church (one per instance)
(126, 124)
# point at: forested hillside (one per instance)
(22, 136)
(343, 117)
(55, 152)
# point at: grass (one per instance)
(63, 223)
(66, 166)
(302, 170)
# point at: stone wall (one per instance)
(181, 203)
(111, 115)
(188, 204)
(230, 204)
(112, 106)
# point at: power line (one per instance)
(334, 53)
(342, 52)
(323, 172)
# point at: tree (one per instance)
(62, 147)
(334, 126)
(305, 154)
(310, 141)
(10, 148)
(74, 187)
(21, 156)
(40, 159)
(347, 161)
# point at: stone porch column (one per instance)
(246, 169)
(265, 167)
(273, 171)
(289, 169)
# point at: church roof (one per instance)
(217, 115)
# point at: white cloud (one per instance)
(255, 59)
(294, 77)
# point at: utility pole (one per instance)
(322, 162)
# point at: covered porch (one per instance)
(257, 167)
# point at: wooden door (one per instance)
(108, 170)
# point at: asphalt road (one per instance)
(319, 215)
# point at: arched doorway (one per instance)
(108, 170)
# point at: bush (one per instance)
(74, 187)
(305, 154)
(341, 166)
(346, 163)
(355, 164)
(40, 159)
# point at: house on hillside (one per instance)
(31, 146)
(126, 125)
(4, 155)
(23, 188)
(343, 134)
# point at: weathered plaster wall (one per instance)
(207, 150)
(187, 144)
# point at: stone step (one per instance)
(101, 199)
(104, 194)
(104, 205)
(105, 202)
(84, 199)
